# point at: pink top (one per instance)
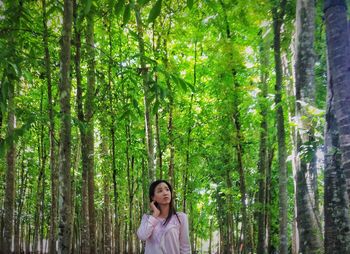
(170, 239)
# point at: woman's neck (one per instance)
(164, 211)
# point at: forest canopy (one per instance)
(241, 105)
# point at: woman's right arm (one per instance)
(145, 230)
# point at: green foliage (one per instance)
(155, 11)
(195, 70)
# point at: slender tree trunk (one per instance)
(210, 236)
(147, 94)
(107, 243)
(65, 199)
(10, 191)
(21, 199)
(170, 119)
(278, 13)
(15, 9)
(159, 147)
(246, 243)
(54, 175)
(42, 203)
(129, 162)
(112, 132)
(89, 110)
(310, 235)
(85, 232)
(263, 153)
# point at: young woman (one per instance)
(165, 230)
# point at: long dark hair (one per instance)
(172, 209)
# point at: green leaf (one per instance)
(126, 16)
(143, 2)
(87, 7)
(190, 4)
(133, 34)
(15, 68)
(28, 76)
(119, 7)
(155, 11)
(156, 107)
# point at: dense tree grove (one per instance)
(243, 106)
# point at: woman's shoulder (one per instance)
(182, 216)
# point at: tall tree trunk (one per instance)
(129, 169)
(278, 14)
(89, 110)
(159, 147)
(338, 45)
(107, 233)
(14, 10)
(263, 153)
(147, 94)
(65, 199)
(310, 235)
(10, 191)
(20, 202)
(336, 198)
(112, 131)
(171, 167)
(246, 243)
(54, 173)
(85, 232)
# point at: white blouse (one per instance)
(170, 239)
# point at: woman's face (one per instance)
(162, 194)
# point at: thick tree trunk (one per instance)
(310, 235)
(336, 198)
(283, 197)
(65, 199)
(338, 45)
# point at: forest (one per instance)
(243, 106)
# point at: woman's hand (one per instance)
(155, 210)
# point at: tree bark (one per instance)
(263, 153)
(54, 173)
(278, 14)
(14, 9)
(85, 232)
(65, 199)
(21, 199)
(310, 235)
(336, 198)
(89, 110)
(338, 45)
